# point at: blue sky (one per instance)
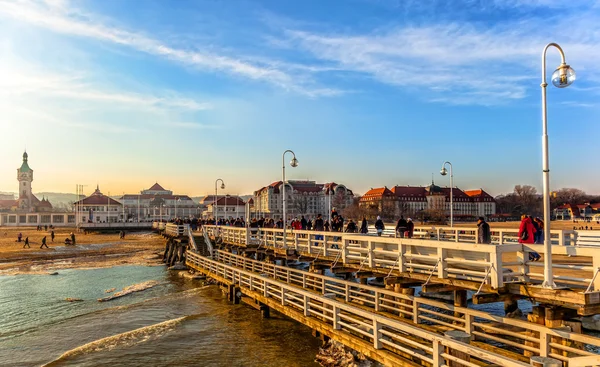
(366, 92)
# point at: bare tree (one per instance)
(571, 196)
(300, 204)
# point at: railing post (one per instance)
(415, 311)
(377, 298)
(596, 266)
(324, 245)
(401, 249)
(501, 237)
(247, 236)
(282, 296)
(456, 235)
(441, 269)
(266, 288)
(496, 275)
(438, 349)
(296, 241)
(544, 343)
(370, 254)
(347, 292)
(306, 311)
(336, 318)
(469, 323)
(376, 334)
(561, 238)
(344, 250)
(310, 239)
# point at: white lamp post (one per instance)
(217, 199)
(293, 163)
(178, 199)
(562, 77)
(444, 172)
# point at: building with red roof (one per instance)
(304, 197)
(411, 200)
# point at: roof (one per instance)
(25, 166)
(250, 201)
(7, 203)
(98, 198)
(152, 196)
(156, 187)
(377, 193)
(231, 200)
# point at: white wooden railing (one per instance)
(466, 234)
(176, 230)
(492, 266)
(534, 338)
(382, 331)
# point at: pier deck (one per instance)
(494, 271)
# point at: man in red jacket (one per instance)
(526, 235)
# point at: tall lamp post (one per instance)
(444, 172)
(562, 77)
(293, 163)
(178, 199)
(216, 206)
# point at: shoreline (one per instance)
(92, 251)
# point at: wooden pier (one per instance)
(390, 323)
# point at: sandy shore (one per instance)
(92, 250)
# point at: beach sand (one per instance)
(93, 250)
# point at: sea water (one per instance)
(176, 323)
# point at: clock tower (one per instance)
(25, 177)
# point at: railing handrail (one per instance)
(378, 321)
(595, 341)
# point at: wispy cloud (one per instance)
(68, 20)
(18, 81)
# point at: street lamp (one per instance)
(444, 172)
(217, 199)
(178, 199)
(293, 163)
(562, 77)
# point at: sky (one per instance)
(367, 93)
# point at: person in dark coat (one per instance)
(410, 228)
(351, 227)
(401, 226)
(364, 226)
(484, 234)
(44, 243)
(303, 223)
(52, 236)
(379, 226)
(26, 242)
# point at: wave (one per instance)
(165, 298)
(125, 339)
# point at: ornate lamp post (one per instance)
(217, 199)
(562, 77)
(444, 172)
(293, 163)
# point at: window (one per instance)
(32, 219)
(12, 219)
(71, 218)
(45, 219)
(58, 218)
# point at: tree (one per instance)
(300, 204)
(339, 200)
(570, 196)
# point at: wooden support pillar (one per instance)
(459, 336)
(399, 288)
(538, 361)
(265, 311)
(460, 300)
(167, 248)
(362, 281)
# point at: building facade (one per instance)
(226, 207)
(98, 208)
(306, 198)
(579, 211)
(157, 203)
(415, 200)
(27, 209)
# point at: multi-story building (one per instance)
(303, 198)
(98, 208)
(156, 203)
(226, 207)
(413, 200)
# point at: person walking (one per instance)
(540, 230)
(526, 235)
(364, 226)
(401, 226)
(410, 228)
(379, 226)
(72, 239)
(483, 231)
(52, 236)
(44, 243)
(26, 242)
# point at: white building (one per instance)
(227, 207)
(98, 208)
(306, 198)
(156, 203)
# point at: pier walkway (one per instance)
(449, 257)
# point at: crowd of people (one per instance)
(44, 242)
